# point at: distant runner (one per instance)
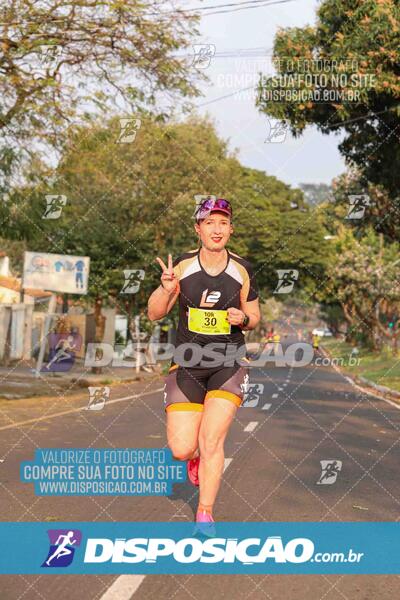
(218, 299)
(315, 341)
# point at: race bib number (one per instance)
(208, 322)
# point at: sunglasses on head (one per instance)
(210, 204)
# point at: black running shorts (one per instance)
(187, 388)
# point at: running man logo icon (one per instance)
(54, 206)
(287, 278)
(252, 395)
(98, 397)
(128, 130)
(199, 199)
(132, 281)
(63, 349)
(203, 54)
(245, 386)
(329, 471)
(62, 547)
(48, 54)
(276, 132)
(358, 204)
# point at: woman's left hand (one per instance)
(235, 316)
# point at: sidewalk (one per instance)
(19, 381)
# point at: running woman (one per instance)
(218, 299)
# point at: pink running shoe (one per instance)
(205, 523)
(192, 466)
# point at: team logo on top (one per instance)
(208, 299)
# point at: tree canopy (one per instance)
(363, 278)
(354, 46)
(64, 60)
(128, 203)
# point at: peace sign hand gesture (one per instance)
(168, 280)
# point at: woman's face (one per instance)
(214, 231)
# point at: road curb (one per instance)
(379, 388)
(71, 385)
(366, 384)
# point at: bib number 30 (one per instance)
(208, 322)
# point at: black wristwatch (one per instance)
(245, 321)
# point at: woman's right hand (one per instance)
(168, 280)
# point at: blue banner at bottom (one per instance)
(241, 548)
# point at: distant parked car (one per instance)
(322, 332)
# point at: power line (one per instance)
(371, 114)
(254, 4)
(245, 52)
(231, 8)
(226, 96)
(230, 5)
(236, 53)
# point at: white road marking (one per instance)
(123, 587)
(266, 406)
(251, 426)
(73, 410)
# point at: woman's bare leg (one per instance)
(217, 418)
(183, 433)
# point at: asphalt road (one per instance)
(305, 415)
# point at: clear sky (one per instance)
(312, 158)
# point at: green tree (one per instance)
(365, 33)
(278, 230)
(128, 203)
(364, 280)
(380, 210)
(61, 60)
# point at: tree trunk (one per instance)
(347, 311)
(100, 324)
